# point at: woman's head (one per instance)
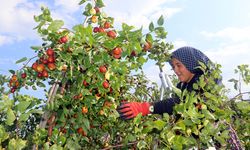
(183, 74)
(186, 62)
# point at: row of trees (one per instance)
(90, 71)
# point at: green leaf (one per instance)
(81, 2)
(55, 147)
(160, 32)
(89, 37)
(24, 117)
(141, 60)
(187, 122)
(180, 125)
(36, 18)
(220, 139)
(109, 44)
(208, 114)
(170, 136)
(12, 71)
(61, 140)
(179, 108)
(178, 142)
(40, 84)
(177, 91)
(131, 138)
(36, 47)
(149, 38)
(165, 116)
(99, 3)
(85, 92)
(195, 86)
(23, 105)
(17, 144)
(36, 111)
(160, 21)
(210, 96)
(5, 103)
(159, 124)
(21, 60)
(87, 8)
(3, 134)
(34, 87)
(72, 144)
(45, 10)
(10, 117)
(86, 123)
(192, 113)
(225, 134)
(66, 57)
(243, 106)
(55, 25)
(147, 129)
(195, 130)
(126, 27)
(137, 119)
(142, 144)
(151, 27)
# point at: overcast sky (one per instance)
(219, 28)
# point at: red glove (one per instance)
(132, 109)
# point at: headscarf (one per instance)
(191, 57)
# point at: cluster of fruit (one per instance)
(13, 83)
(103, 27)
(44, 63)
(41, 66)
(103, 69)
(81, 131)
(106, 27)
(47, 60)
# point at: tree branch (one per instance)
(235, 97)
(234, 137)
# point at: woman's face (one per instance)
(183, 74)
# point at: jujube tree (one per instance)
(93, 67)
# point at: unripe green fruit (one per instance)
(92, 11)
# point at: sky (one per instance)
(219, 28)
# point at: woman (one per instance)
(185, 62)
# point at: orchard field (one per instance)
(90, 70)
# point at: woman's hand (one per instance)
(130, 110)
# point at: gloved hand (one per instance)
(132, 109)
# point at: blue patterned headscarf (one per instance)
(191, 57)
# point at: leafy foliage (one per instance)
(80, 110)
